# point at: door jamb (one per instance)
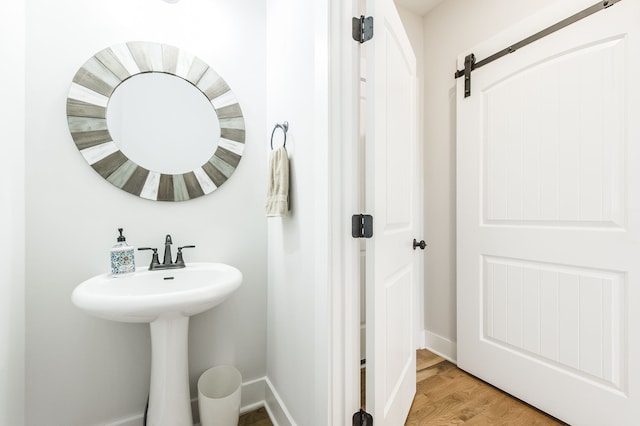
(344, 272)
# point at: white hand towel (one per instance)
(278, 186)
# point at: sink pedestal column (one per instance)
(169, 400)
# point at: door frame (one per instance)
(343, 258)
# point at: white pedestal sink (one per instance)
(165, 299)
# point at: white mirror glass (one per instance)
(163, 123)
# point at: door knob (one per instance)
(420, 244)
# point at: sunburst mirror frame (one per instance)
(87, 102)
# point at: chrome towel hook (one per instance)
(285, 127)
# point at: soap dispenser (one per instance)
(122, 257)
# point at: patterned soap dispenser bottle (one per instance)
(122, 257)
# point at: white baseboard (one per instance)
(255, 394)
(441, 346)
(275, 407)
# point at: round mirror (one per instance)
(155, 121)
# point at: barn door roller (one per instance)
(471, 64)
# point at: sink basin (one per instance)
(144, 296)
(165, 299)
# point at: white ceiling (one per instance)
(420, 7)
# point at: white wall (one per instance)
(12, 116)
(82, 370)
(451, 28)
(297, 91)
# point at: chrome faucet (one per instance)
(167, 262)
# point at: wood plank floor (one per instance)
(446, 395)
(258, 417)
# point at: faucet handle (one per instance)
(179, 259)
(155, 250)
(154, 259)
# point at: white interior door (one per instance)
(548, 208)
(392, 198)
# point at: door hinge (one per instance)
(362, 28)
(362, 418)
(362, 226)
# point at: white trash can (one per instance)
(219, 396)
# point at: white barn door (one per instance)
(392, 196)
(548, 176)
